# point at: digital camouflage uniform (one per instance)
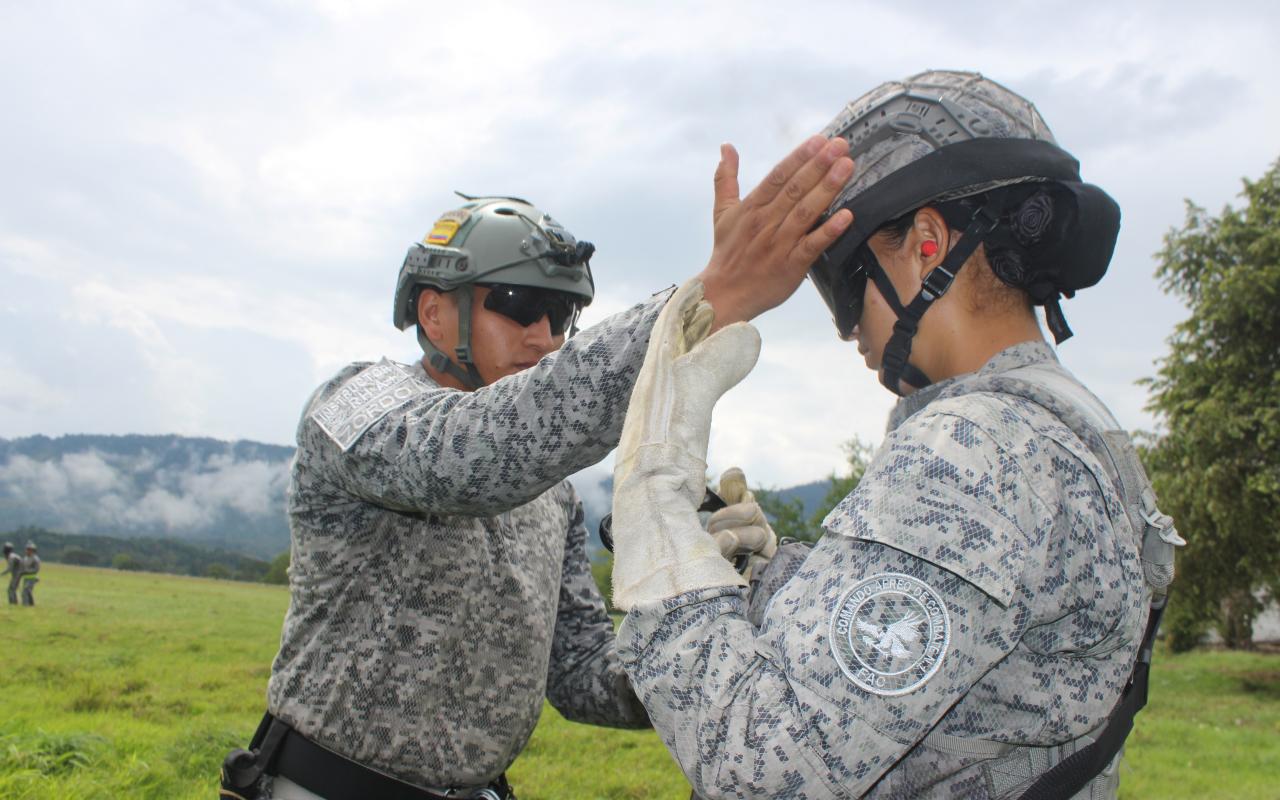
(14, 570)
(439, 577)
(980, 590)
(30, 568)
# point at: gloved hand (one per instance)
(741, 529)
(660, 547)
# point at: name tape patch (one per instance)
(363, 400)
(889, 633)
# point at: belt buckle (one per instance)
(487, 793)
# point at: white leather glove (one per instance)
(741, 528)
(660, 548)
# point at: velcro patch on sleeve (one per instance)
(363, 400)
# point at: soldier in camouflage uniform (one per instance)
(974, 612)
(440, 587)
(12, 568)
(30, 568)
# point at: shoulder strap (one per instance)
(1065, 779)
(1081, 411)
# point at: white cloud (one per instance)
(162, 507)
(588, 482)
(41, 481)
(206, 206)
(787, 422)
(89, 472)
(251, 487)
(90, 490)
(22, 392)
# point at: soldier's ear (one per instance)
(434, 312)
(929, 240)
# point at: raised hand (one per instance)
(765, 242)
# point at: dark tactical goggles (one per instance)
(525, 305)
(842, 284)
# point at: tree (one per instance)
(77, 555)
(1216, 464)
(126, 561)
(219, 571)
(278, 572)
(787, 515)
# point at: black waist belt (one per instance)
(320, 770)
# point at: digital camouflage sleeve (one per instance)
(973, 609)
(439, 583)
(585, 682)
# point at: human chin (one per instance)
(518, 367)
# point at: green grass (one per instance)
(1211, 728)
(129, 685)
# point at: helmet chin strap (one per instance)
(440, 362)
(895, 368)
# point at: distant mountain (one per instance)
(222, 495)
(596, 500)
(227, 495)
(811, 494)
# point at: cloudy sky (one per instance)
(205, 204)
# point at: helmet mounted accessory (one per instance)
(531, 264)
(944, 136)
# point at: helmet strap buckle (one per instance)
(937, 282)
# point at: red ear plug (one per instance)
(929, 249)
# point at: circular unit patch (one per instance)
(889, 633)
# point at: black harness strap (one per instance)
(1075, 772)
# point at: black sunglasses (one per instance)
(843, 285)
(526, 305)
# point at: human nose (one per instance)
(538, 334)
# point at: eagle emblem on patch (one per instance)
(363, 400)
(889, 633)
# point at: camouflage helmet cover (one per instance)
(900, 122)
(942, 135)
(493, 240)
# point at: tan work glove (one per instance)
(660, 548)
(741, 528)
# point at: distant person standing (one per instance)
(12, 568)
(30, 566)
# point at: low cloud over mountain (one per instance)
(228, 495)
(222, 493)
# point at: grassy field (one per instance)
(129, 685)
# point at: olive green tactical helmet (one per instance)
(493, 240)
(488, 240)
